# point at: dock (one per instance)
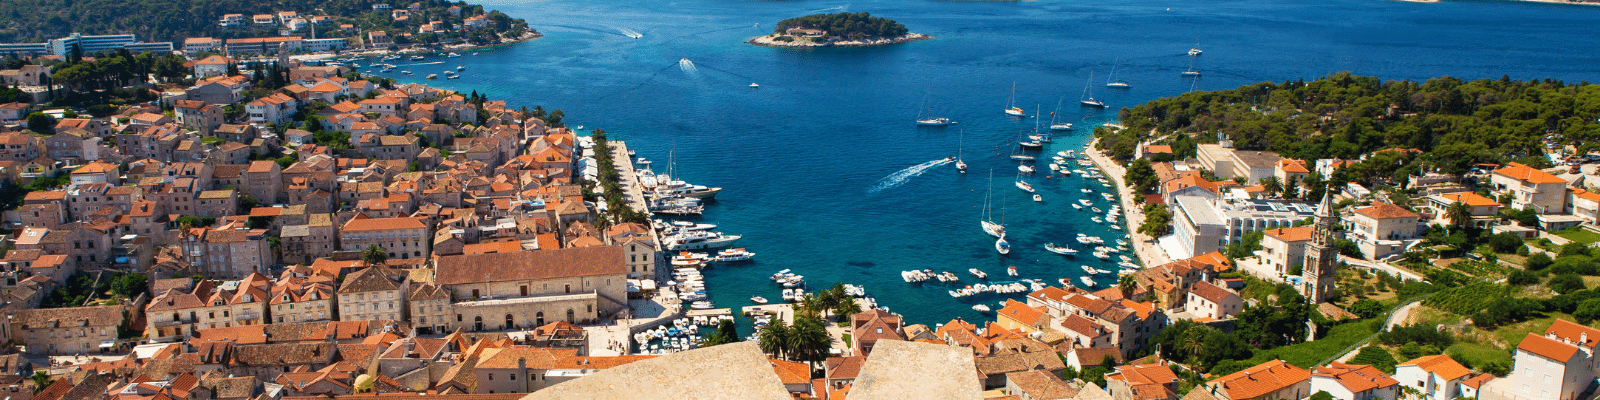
(715, 312)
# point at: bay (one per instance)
(799, 157)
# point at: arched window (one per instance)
(571, 316)
(509, 322)
(538, 319)
(477, 323)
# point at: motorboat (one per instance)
(699, 240)
(980, 308)
(461, 68)
(1037, 198)
(1011, 270)
(1025, 169)
(1077, 206)
(452, 55)
(977, 273)
(701, 305)
(417, 58)
(941, 121)
(758, 300)
(1194, 51)
(1062, 250)
(732, 255)
(404, 72)
(1061, 126)
(1055, 167)
(691, 226)
(1025, 186)
(433, 76)
(1002, 246)
(753, 85)
(1086, 281)
(781, 274)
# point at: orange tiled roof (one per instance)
(1293, 165)
(1448, 368)
(1382, 210)
(1295, 234)
(1470, 198)
(1528, 174)
(1260, 380)
(1357, 378)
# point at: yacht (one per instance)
(1086, 281)
(699, 240)
(452, 55)
(753, 85)
(732, 255)
(941, 121)
(680, 188)
(1025, 169)
(1062, 250)
(691, 226)
(1088, 100)
(1037, 198)
(977, 273)
(416, 58)
(404, 72)
(1060, 126)
(758, 300)
(1194, 51)
(461, 68)
(1025, 186)
(433, 76)
(1034, 144)
(980, 308)
(1002, 245)
(1113, 82)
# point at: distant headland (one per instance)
(837, 30)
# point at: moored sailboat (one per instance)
(1011, 106)
(1087, 99)
(1113, 82)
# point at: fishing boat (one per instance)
(1037, 198)
(1087, 99)
(1002, 246)
(977, 273)
(1062, 250)
(758, 300)
(990, 227)
(1011, 107)
(1112, 82)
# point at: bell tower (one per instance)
(1321, 256)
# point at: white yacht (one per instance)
(941, 121)
(1062, 250)
(1025, 169)
(1002, 246)
(1194, 51)
(699, 240)
(758, 300)
(732, 255)
(1086, 281)
(978, 273)
(1025, 186)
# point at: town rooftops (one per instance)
(1381, 210)
(1446, 367)
(378, 224)
(1553, 349)
(1210, 292)
(1261, 380)
(1356, 378)
(1528, 174)
(1293, 165)
(1041, 384)
(1022, 313)
(1470, 198)
(530, 265)
(1295, 234)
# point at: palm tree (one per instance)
(775, 338)
(847, 308)
(811, 305)
(810, 340)
(1272, 186)
(1458, 214)
(1127, 284)
(374, 255)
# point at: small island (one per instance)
(837, 30)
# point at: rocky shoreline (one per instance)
(771, 41)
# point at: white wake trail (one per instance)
(687, 66)
(899, 178)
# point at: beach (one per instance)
(1150, 253)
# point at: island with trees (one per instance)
(837, 30)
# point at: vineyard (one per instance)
(1465, 300)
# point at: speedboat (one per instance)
(977, 273)
(433, 76)
(1025, 169)
(1011, 270)
(758, 300)
(980, 308)
(1062, 250)
(1077, 206)
(452, 55)
(941, 121)
(416, 58)
(1002, 246)
(699, 240)
(1086, 281)
(1064, 126)
(700, 305)
(461, 68)
(753, 85)
(1036, 197)
(1025, 186)
(1194, 51)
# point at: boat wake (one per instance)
(629, 32)
(687, 66)
(896, 179)
(819, 11)
(426, 63)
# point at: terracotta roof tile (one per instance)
(1448, 368)
(1382, 210)
(1472, 199)
(1528, 174)
(1356, 378)
(1540, 345)
(1260, 380)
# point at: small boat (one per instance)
(753, 85)
(1025, 186)
(1088, 99)
(1037, 198)
(433, 76)
(732, 255)
(977, 273)
(1077, 206)
(941, 121)
(1002, 246)
(980, 308)
(1025, 169)
(461, 68)
(700, 305)
(1097, 220)
(1033, 144)
(404, 72)
(1113, 82)
(961, 166)
(1066, 251)
(1011, 270)
(1086, 281)
(452, 55)
(1062, 126)
(1194, 51)
(416, 58)
(758, 300)
(1054, 167)
(1011, 107)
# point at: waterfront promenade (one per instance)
(1150, 253)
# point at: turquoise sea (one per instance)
(803, 160)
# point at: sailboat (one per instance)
(1020, 154)
(961, 165)
(1059, 126)
(1022, 184)
(990, 227)
(1191, 71)
(1011, 107)
(1112, 82)
(1086, 99)
(940, 121)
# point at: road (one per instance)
(1149, 251)
(1382, 266)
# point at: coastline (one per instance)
(368, 53)
(768, 41)
(1150, 253)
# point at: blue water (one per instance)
(798, 157)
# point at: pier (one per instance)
(632, 191)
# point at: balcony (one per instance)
(180, 321)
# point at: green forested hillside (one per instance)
(859, 25)
(173, 20)
(1454, 122)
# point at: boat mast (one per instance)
(1087, 84)
(1113, 71)
(1057, 111)
(924, 102)
(1011, 102)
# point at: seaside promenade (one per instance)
(1150, 253)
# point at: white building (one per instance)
(1382, 229)
(1530, 188)
(1201, 225)
(1559, 365)
(1353, 382)
(1435, 377)
(1210, 301)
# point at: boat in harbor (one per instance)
(1113, 82)
(961, 165)
(701, 305)
(699, 240)
(1024, 185)
(758, 300)
(1077, 206)
(927, 121)
(416, 58)
(977, 273)
(1002, 246)
(1055, 168)
(1087, 99)
(1086, 281)
(980, 308)
(733, 255)
(1062, 250)
(433, 76)
(1011, 106)
(1194, 51)
(993, 229)
(1011, 270)
(1025, 169)
(1037, 198)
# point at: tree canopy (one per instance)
(846, 25)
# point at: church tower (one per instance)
(1321, 256)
